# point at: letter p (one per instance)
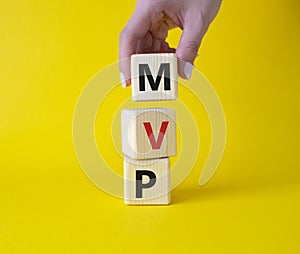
(139, 181)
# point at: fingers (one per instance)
(144, 45)
(160, 31)
(165, 48)
(155, 46)
(136, 28)
(148, 44)
(187, 50)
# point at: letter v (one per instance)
(156, 144)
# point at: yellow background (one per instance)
(50, 49)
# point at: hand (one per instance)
(147, 30)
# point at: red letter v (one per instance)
(162, 131)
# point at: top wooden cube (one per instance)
(154, 77)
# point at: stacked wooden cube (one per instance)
(149, 134)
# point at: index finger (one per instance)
(135, 29)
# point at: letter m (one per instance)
(164, 69)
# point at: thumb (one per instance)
(187, 50)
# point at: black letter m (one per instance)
(164, 68)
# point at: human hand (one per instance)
(147, 30)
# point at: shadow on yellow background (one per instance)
(50, 49)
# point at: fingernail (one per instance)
(123, 81)
(188, 68)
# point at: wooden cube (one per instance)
(149, 133)
(147, 182)
(154, 77)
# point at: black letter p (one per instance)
(139, 181)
